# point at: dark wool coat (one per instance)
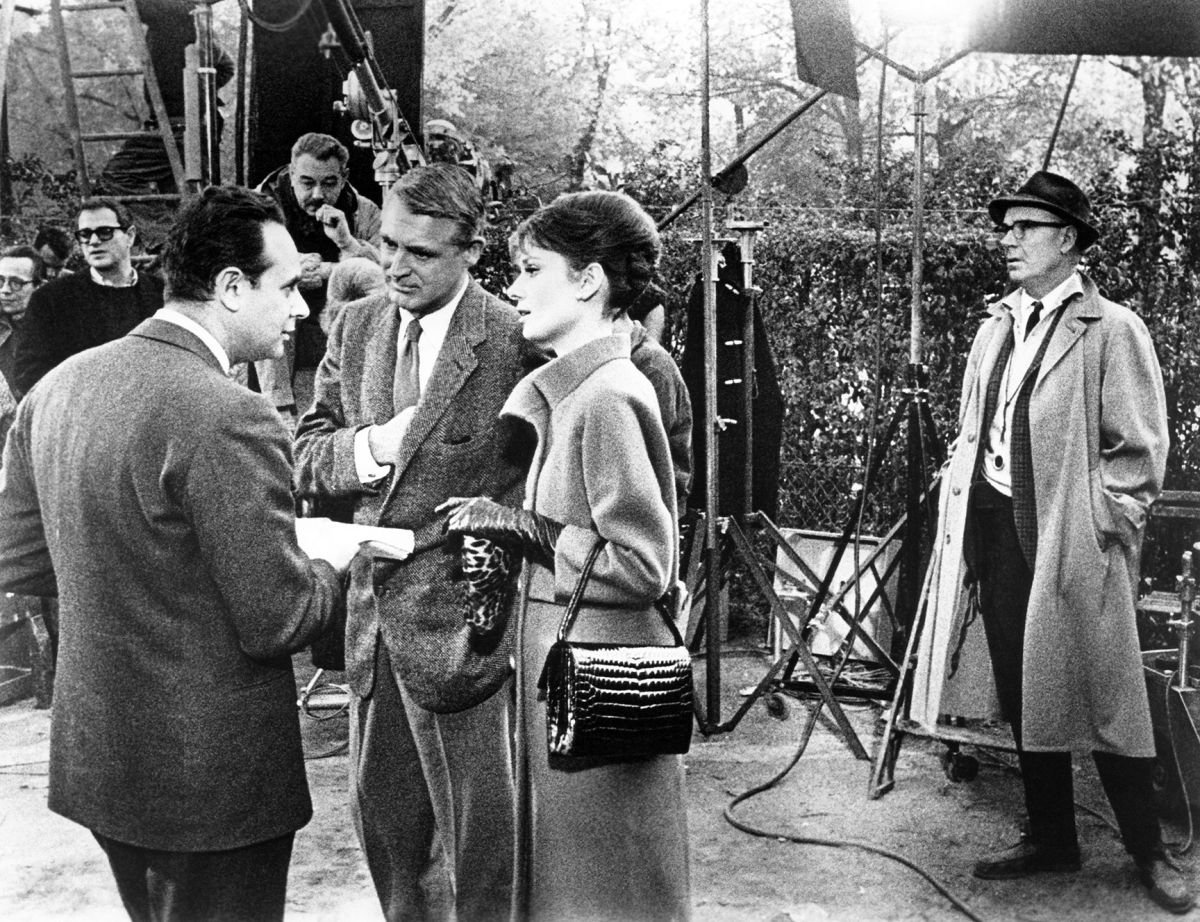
(158, 492)
(1098, 426)
(601, 840)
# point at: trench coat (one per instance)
(597, 840)
(1098, 425)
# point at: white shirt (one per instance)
(101, 280)
(180, 320)
(997, 466)
(434, 326)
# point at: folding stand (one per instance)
(732, 541)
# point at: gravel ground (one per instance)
(52, 869)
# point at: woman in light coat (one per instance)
(597, 839)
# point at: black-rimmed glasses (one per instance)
(103, 234)
(15, 282)
(1020, 228)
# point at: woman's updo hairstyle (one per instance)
(607, 228)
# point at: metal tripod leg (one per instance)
(799, 645)
(883, 769)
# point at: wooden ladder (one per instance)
(79, 139)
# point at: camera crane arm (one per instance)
(370, 101)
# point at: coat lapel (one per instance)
(1071, 327)
(379, 364)
(1003, 329)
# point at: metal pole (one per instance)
(210, 158)
(1187, 593)
(1062, 111)
(746, 231)
(917, 323)
(712, 561)
(241, 143)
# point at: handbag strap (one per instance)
(576, 600)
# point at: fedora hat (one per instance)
(1055, 194)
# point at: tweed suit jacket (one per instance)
(153, 494)
(456, 445)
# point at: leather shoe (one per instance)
(1027, 858)
(1166, 883)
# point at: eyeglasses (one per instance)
(15, 282)
(1020, 228)
(103, 234)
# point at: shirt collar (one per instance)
(1019, 301)
(100, 280)
(437, 320)
(180, 320)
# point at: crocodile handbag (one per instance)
(613, 701)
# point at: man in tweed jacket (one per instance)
(429, 734)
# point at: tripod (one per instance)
(732, 543)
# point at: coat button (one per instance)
(957, 491)
(947, 538)
(970, 436)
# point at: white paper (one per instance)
(338, 542)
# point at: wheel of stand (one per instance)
(776, 706)
(959, 766)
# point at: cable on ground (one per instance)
(941, 888)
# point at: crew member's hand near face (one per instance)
(337, 228)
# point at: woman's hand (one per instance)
(475, 515)
(485, 518)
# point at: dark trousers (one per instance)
(239, 885)
(1005, 579)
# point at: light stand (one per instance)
(725, 537)
(728, 531)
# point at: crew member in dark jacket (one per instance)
(85, 309)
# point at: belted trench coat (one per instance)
(1099, 440)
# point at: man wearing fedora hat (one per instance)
(1061, 450)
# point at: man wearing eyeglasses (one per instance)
(21, 271)
(86, 309)
(329, 222)
(1062, 448)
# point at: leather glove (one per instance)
(521, 528)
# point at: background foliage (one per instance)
(596, 93)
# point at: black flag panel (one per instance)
(1157, 28)
(825, 45)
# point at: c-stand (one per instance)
(733, 543)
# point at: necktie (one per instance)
(406, 389)
(1034, 316)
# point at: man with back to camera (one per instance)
(152, 494)
(406, 415)
(330, 221)
(85, 309)
(1061, 449)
